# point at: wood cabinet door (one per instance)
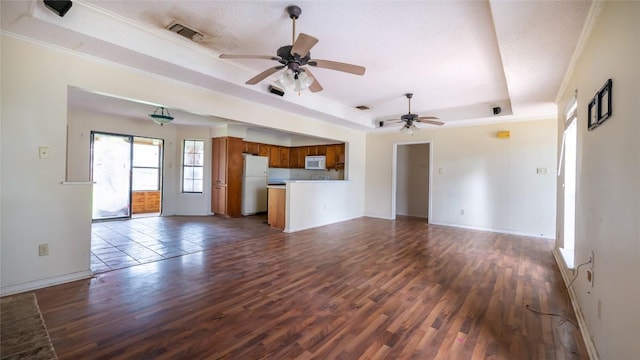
(304, 152)
(251, 148)
(274, 156)
(235, 163)
(296, 157)
(219, 200)
(284, 157)
(331, 155)
(263, 150)
(340, 154)
(219, 161)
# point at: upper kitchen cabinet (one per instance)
(335, 156)
(297, 155)
(252, 148)
(274, 156)
(264, 150)
(284, 157)
(226, 173)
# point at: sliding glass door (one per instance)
(111, 172)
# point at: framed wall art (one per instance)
(604, 102)
(600, 106)
(593, 113)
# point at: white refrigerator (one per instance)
(254, 184)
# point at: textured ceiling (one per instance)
(459, 58)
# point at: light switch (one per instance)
(44, 152)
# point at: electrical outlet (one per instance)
(43, 249)
(461, 211)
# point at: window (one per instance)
(193, 166)
(146, 165)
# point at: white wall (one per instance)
(493, 180)
(34, 84)
(608, 183)
(412, 180)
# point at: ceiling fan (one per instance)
(410, 119)
(294, 58)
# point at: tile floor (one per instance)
(123, 243)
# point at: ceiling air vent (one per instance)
(185, 31)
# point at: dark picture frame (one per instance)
(604, 102)
(593, 113)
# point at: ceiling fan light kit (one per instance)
(294, 59)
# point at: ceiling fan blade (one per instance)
(428, 118)
(315, 85)
(265, 57)
(334, 65)
(303, 44)
(432, 122)
(263, 75)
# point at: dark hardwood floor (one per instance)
(361, 289)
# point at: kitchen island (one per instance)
(305, 204)
(276, 208)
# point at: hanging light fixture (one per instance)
(161, 118)
(296, 78)
(409, 128)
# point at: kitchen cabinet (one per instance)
(284, 157)
(274, 156)
(296, 157)
(263, 150)
(276, 208)
(226, 173)
(335, 156)
(332, 156)
(252, 148)
(219, 199)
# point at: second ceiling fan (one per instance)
(295, 58)
(410, 119)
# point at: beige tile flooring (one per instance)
(122, 243)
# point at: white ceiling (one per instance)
(459, 58)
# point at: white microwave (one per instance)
(317, 162)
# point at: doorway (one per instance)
(411, 180)
(127, 172)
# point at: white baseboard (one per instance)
(39, 284)
(582, 323)
(502, 231)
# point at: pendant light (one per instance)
(161, 116)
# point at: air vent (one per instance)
(362, 107)
(185, 31)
